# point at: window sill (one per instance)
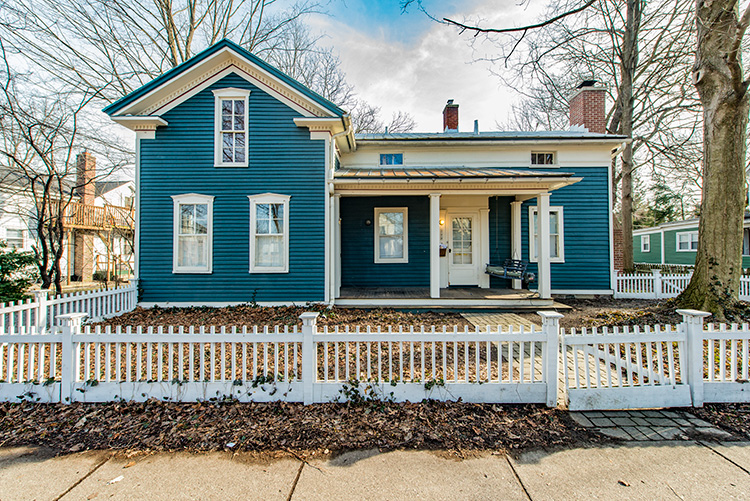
(230, 166)
(544, 166)
(687, 250)
(192, 272)
(552, 260)
(264, 272)
(391, 261)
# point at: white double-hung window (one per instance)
(391, 235)
(556, 237)
(687, 241)
(231, 149)
(269, 233)
(192, 245)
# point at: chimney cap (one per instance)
(587, 83)
(450, 103)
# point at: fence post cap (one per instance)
(693, 313)
(41, 292)
(309, 317)
(72, 318)
(549, 314)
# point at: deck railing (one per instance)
(86, 216)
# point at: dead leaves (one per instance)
(280, 426)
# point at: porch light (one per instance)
(442, 222)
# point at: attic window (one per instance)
(231, 127)
(391, 159)
(542, 158)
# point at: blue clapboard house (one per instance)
(253, 188)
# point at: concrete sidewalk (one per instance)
(638, 470)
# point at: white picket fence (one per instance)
(41, 311)
(656, 285)
(75, 363)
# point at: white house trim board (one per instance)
(543, 265)
(189, 199)
(269, 198)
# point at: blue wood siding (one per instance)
(358, 267)
(500, 236)
(586, 232)
(283, 160)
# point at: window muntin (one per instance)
(687, 241)
(556, 237)
(14, 238)
(391, 159)
(269, 233)
(645, 243)
(542, 158)
(391, 235)
(231, 127)
(193, 233)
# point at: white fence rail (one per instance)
(41, 312)
(656, 285)
(76, 363)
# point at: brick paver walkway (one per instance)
(648, 425)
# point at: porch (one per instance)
(419, 297)
(403, 242)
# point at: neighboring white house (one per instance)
(91, 231)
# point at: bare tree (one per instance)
(41, 134)
(718, 75)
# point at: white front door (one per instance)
(462, 250)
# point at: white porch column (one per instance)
(337, 245)
(515, 236)
(484, 233)
(435, 245)
(544, 280)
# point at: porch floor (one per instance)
(450, 297)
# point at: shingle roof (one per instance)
(444, 173)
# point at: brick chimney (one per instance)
(86, 173)
(587, 107)
(450, 117)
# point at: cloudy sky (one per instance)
(405, 61)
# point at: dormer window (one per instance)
(391, 159)
(231, 127)
(543, 158)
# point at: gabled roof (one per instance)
(103, 187)
(157, 83)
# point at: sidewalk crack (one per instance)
(723, 456)
(515, 473)
(296, 479)
(77, 483)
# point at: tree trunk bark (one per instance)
(628, 65)
(723, 93)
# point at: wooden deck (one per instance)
(449, 298)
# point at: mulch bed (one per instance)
(282, 315)
(294, 428)
(734, 418)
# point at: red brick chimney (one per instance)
(450, 117)
(587, 107)
(86, 173)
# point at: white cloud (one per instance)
(418, 78)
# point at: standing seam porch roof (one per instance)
(443, 173)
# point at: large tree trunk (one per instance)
(723, 94)
(628, 65)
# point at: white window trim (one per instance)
(561, 226)
(554, 165)
(192, 198)
(229, 93)
(677, 240)
(646, 243)
(403, 158)
(269, 198)
(376, 228)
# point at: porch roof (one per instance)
(457, 172)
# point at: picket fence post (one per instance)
(309, 358)
(692, 323)
(551, 328)
(42, 296)
(657, 283)
(71, 326)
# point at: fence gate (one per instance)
(625, 368)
